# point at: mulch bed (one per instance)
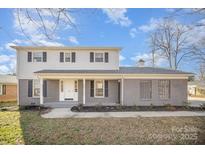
(133, 108)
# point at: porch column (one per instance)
(41, 91)
(84, 91)
(122, 91)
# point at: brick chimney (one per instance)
(140, 63)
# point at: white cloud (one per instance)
(147, 57)
(7, 64)
(7, 46)
(197, 34)
(4, 58)
(152, 25)
(4, 69)
(118, 16)
(122, 58)
(34, 31)
(73, 40)
(133, 32)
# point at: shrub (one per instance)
(75, 109)
(170, 107)
(202, 106)
(151, 105)
(186, 104)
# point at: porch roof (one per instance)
(122, 70)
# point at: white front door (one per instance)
(68, 90)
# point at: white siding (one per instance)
(25, 69)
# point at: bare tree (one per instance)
(153, 47)
(46, 21)
(169, 41)
(202, 71)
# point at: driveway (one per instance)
(67, 113)
(196, 101)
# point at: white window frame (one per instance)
(103, 82)
(36, 56)
(103, 57)
(61, 86)
(33, 86)
(65, 57)
(1, 89)
(146, 99)
(169, 81)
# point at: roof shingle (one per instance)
(122, 70)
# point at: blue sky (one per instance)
(126, 28)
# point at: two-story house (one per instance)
(92, 76)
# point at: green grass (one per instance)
(28, 127)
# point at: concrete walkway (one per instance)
(66, 113)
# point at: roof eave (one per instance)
(66, 48)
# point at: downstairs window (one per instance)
(164, 89)
(99, 88)
(146, 90)
(36, 88)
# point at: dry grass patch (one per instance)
(28, 127)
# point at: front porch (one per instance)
(68, 92)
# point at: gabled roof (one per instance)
(8, 79)
(122, 70)
(66, 48)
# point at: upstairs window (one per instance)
(37, 56)
(99, 57)
(67, 57)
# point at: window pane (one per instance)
(99, 57)
(99, 88)
(36, 87)
(67, 57)
(164, 89)
(146, 89)
(37, 56)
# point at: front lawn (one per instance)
(27, 127)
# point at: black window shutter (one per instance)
(92, 88)
(119, 88)
(29, 58)
(4, 90)
(106, 88)
(106, 57)
(73, 57)
(30, 88)
(91, 57)
(44, 88)
(61, 57)
(44, 56)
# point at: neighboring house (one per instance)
(92, 76)
(196, 88)
(8, 86)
